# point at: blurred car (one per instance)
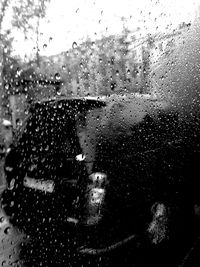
(105, 172)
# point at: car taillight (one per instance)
(95, 197)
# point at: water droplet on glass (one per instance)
(74, 45)
(57, 76)
(7, 230)
(44, 46)
(2, 219)
(7, 86)
(18, 72)
(47, 148)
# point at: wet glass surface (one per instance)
(99, 133)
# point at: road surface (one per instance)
(11, 242)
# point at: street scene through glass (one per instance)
(99, 133)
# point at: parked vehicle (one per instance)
(107, 173)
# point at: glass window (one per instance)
(99, 132)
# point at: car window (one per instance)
(104, 95)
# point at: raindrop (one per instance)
(64, 67)
(2, 219)
(47, 148)
(18, 72)
(57, 76)
(44, 46)
(74, 45)
(7, 230)
(7, 86)
(50, 39)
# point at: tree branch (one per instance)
(2, 11)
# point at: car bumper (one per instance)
(28, 207)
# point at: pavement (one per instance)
(11, 241)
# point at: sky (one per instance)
(69, 21)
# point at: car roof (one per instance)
(66, 98)
(105, 99)
(88, 101)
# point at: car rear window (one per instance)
(51, 127)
